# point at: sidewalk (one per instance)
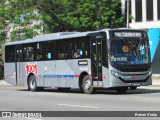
(155, 79)
(4, 83)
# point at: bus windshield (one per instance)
(129, 52)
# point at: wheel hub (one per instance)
(88, 84)
(32, 84)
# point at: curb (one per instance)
(156, 82)
(156, 76)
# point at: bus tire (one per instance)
(87, 85)
(122, 90)
(32, 84)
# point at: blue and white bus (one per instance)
(110, 58)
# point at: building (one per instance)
(144, 13)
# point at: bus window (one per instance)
(39, 51)
(79, 49)
(10, 53)
(19, 54)
(71, 50)
(74, 48)
(84, 46)
(62, 52)
(28, 52)
(77, 54)
(49, 51)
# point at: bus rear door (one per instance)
(19, 65)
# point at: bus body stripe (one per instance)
(61, 76)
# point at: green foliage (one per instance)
(57, 16)
(19, 14)
(2, 23)
(80, 15)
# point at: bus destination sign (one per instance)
(127, 34)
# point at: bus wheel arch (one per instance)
(30, 74)
(82, 75)
(32, 83)
(85, 83)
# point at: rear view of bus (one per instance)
(129, 59)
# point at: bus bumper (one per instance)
(119, 80)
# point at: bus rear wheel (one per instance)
(87, 85)
(32, 84)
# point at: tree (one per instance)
(57, 16)
(22, 14)
(49, 11)
(2, 23)
(80, 15)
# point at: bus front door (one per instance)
(96, 61)
(19, 70)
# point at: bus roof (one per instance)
(53, 36)
(62, 35)
(114, 29)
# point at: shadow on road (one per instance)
(109, 92)
(129, 92)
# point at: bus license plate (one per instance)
(136, 84)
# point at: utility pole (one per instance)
(127, 14)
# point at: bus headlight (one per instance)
(150, 73)
(115, 74)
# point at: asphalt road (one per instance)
(14, 98)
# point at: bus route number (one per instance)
(31, 68)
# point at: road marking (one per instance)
(146, 98)
(33, 119)
(78, 106)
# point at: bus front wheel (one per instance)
(32, 85)
(87, 85)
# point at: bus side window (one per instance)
(28, 53)
(61, 50)
(71, 50)
(74, 48)
(10, 54)
(49, 50)
(39, 51)
(77, 54)
(83, 48)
